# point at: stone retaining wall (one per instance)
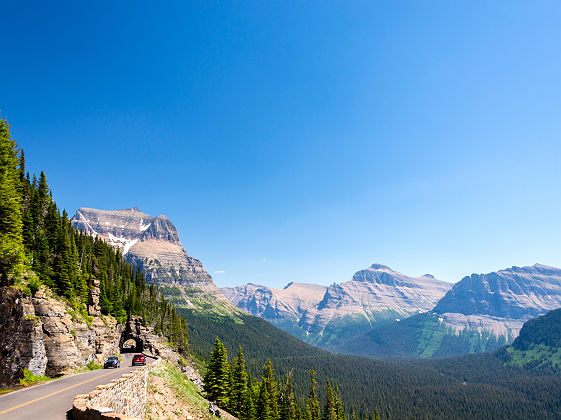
(122, 398)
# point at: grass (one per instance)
(537, 356)
(5, 391)
(29, 378)
(91, 365)
(183, 387)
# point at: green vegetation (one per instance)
(91, 365)
(423, 335)
(538, 346)
(270, 397)
(38, 246)
(425, 388)
(30, 379)
(184, 389)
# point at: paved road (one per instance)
(53, 400)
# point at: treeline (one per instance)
(39, 246)
(269, 397)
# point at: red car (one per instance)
(139, 359)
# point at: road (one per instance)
(53, 400)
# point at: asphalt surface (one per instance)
(53, 400)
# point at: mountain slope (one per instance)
(538, 345)
(329, 316)
(480, 313)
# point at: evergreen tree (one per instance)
(241, 405)
(329, 412)
(312, 404)
(339, 409)
(267, 406)
(217, 378)
(287, 403)
(11, 225)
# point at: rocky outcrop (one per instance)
(149, 243)
(44, 335)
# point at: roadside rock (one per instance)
(44, 335)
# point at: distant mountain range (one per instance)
(381, 312)
(326, 315)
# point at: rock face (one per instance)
(324, 316)
(502, 301)
(44, 335)
(149, 243)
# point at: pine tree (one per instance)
(312, 404)
(241, 397)
(287, 403)
(339, 409)
(329, 412)
(217, 378)
(11, 226)
(267, 405)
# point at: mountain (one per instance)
(328, 316)
(538, 345)
(152, 245)
(502, 301)
(482, 312)
(276, 305)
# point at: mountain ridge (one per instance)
(375, 294)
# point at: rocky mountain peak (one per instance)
(163, 229)
(381, 267)
(148, 242)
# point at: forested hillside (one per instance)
(473, 386)
(39, 246)
(539, 344)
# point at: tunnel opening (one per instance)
(131, 345)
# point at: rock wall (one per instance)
(44, 335)
(122, 398)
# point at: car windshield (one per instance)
(112, 358)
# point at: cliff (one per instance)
(47, 337)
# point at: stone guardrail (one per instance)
(123, 398)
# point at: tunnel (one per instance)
(131, 344)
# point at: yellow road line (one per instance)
(56, 392)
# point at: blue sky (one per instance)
(299, 140)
